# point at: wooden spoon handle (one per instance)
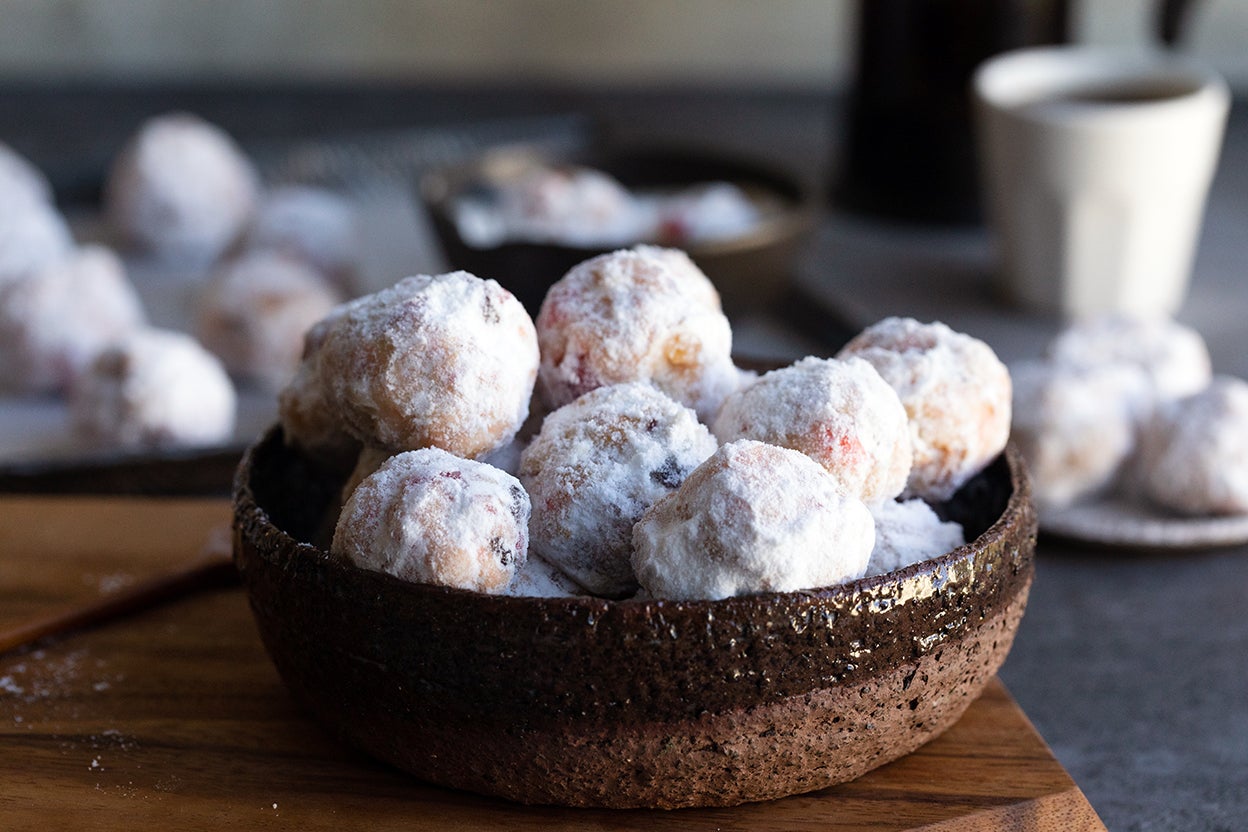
(215, 569)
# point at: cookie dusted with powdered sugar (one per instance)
(1076, 425)
(21, 181)
(54, 321)
(154, 389)
(1194, 451)
(956, 393)
(909, 532)
(33, 236)
(314, 225)
(538, 578)
(696, 285)
(254, 311)
(446, 361)
(1173, 357)
(596, 465)
(752, 518)
(623, 317)
(430, 517)
(181, 187)
(841, 413)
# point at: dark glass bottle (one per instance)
(909, 152)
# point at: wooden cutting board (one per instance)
(174, 718)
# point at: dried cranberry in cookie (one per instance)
(596, 465)
(430, 517)
(955, 391)
(838, 412)
(752, 518)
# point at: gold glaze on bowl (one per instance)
(590, 702)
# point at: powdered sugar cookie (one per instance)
(254, 311)
(181, 187)
(623, 317)
(1075, 425)
(154, 389)
(33, 236)
(446, 360)
(54, 321)
(1194, 452)
(841, 413)
(956, 393)
(430, 517)
(1174, 357)
(752, 518)
(909, 532)
(596, 465)
(537, 578)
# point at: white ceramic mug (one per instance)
(1096, 166)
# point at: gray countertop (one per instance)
(1134, 667)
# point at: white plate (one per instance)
(1121, 523)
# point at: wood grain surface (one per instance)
(174, 718)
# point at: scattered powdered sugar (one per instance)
(909, 532)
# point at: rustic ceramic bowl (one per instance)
(589, 702)
(750, 271)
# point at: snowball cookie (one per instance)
(752, 518)
(53, 322)
(33, 235)
(691, 278)
(181, 187)
(596, 465)
(446, 360)
(955, 391)
(21, 181)
(1174, 356)
(154, 389)
(308, 422)
(624, 317)
(537, 578)
(1075, 426)
(838, 412)
(567, 204)
(909, 532)
(311, 224)
(1194, 453)
(254, 311)
(429, 517)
